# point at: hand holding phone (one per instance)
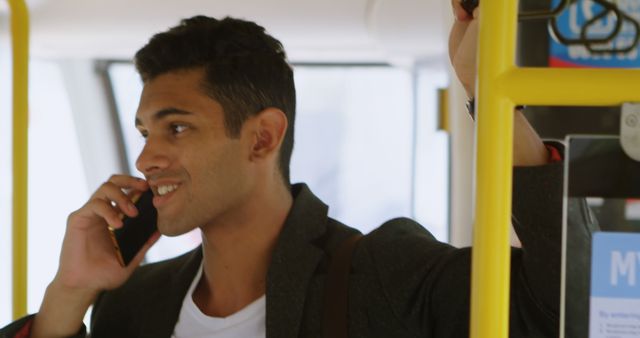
(88, 264)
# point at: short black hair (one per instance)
(246, 69)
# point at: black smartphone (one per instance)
(135, 231)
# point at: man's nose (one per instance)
(153, 157)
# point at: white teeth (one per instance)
(165, 189)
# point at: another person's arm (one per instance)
(528, 148)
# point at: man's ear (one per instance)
(269, 128)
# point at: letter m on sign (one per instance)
(623, 266)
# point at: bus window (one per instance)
(57, 184)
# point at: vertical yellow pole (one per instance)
(20, 46)
(491, 252)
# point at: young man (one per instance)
(217, 111)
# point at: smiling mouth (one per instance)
(165, 189)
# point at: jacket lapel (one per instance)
(294, 260)
(293, 263)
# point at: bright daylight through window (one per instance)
(355, 147)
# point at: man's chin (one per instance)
(172, 229)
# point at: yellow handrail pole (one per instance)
(20, 46)
(491, 252)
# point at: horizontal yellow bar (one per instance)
(571, 86)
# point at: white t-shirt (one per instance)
(192, 323)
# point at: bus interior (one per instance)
(382, 129)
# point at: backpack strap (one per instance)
(336, 300)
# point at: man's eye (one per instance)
(178, 128)
(144, 134)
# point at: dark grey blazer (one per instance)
(403, 282)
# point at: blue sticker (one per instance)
(615, 265)
(614, 305)
(570, 24)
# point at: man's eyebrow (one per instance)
(159, 115)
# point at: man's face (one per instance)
(198, 174)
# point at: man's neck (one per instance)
(237, 254)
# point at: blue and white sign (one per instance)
(615, 285)
(570, 24)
